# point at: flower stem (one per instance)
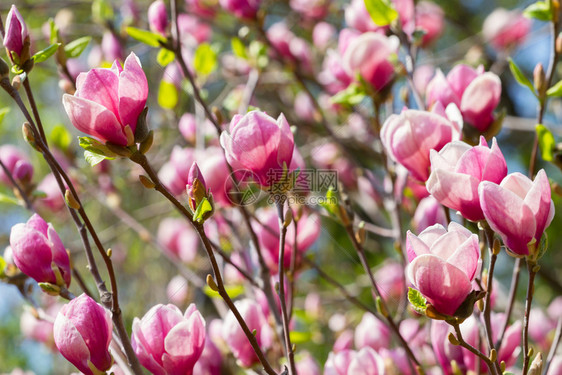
(286, 330)
(473, 350)
(532, 268)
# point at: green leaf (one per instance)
(165, 56)
(53, 31)
(3, 265)
(102, 11)
(7, 199)
(77, 46)
(3, 112)
(555, 90)
(93, 159)
(300, 337)
(520, 77)
(232, 290)
(146, 37)
(167, 95)
(205, 60)
(203, 211)
(96, 147)
(45, 53)
(238, 48)
(546, 142)
(418, 302)
(331, 203)
(60, 137)
(539, 11)
(382, 13)
(352, 95)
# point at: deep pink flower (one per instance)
(372, 333)
(474, 92)
(213, 166)
(168, 342)
(289, 45)
(443, 264)
(505, 28)
(108, 100)
(235, 338)
(158, 17)
(241, 8)
(178, 237)
(444, 351)
(39, 253)
(350, 362)
(173, 174)
(409, 137)
(260, 144)
(210, 361)
(192, 30)
(369, 55)
(315, 9)
(15, 34)
(111, 47)
(82, 334)
(428, 212)
(429, 18)
(518, 209)
(202, 8)
(458, 169)
(17, 164)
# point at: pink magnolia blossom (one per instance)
(260, 144)
(372, 333)
(505, 28)
(357, 16)
(192, 30)
(456, 173)
(509, 350)
(369, 55)
(311, 9)
(350, 362)
(389, 277)
(235, 338)
(245, 9)
(212, 163)
(210, 361)
(177, 290)
(17, 163)
(158, 17)
(173, 174)
(474, 92)
(178, 237)
(168, 342)
(40, 330)
(202, 8)
(322, 34)
(443, 263)
(289, 45)
(53, 199)
(108, 100)
(16, 35)
(307, 365)
(308, 230)
(82, 333)
(429, 18)
(409, 137)
(518, 209)
(38, 252)
(444, 351)
(429, 212)
(111, 47)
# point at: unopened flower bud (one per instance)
(539, 79)
(16, 37)
(196, 187)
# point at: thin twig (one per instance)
(510, 300)
(473, 350)
(531, 267)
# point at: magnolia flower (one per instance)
(107, 101)
(443, 263)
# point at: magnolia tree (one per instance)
(302, 187)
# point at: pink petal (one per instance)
(94, 119)
(460, 78)
(466, 256)
(100, 86)
(415, 246)
(70, 343)
(507, 215)
(133, 91)
(480, 99)
(444, 285)
(538, 199)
